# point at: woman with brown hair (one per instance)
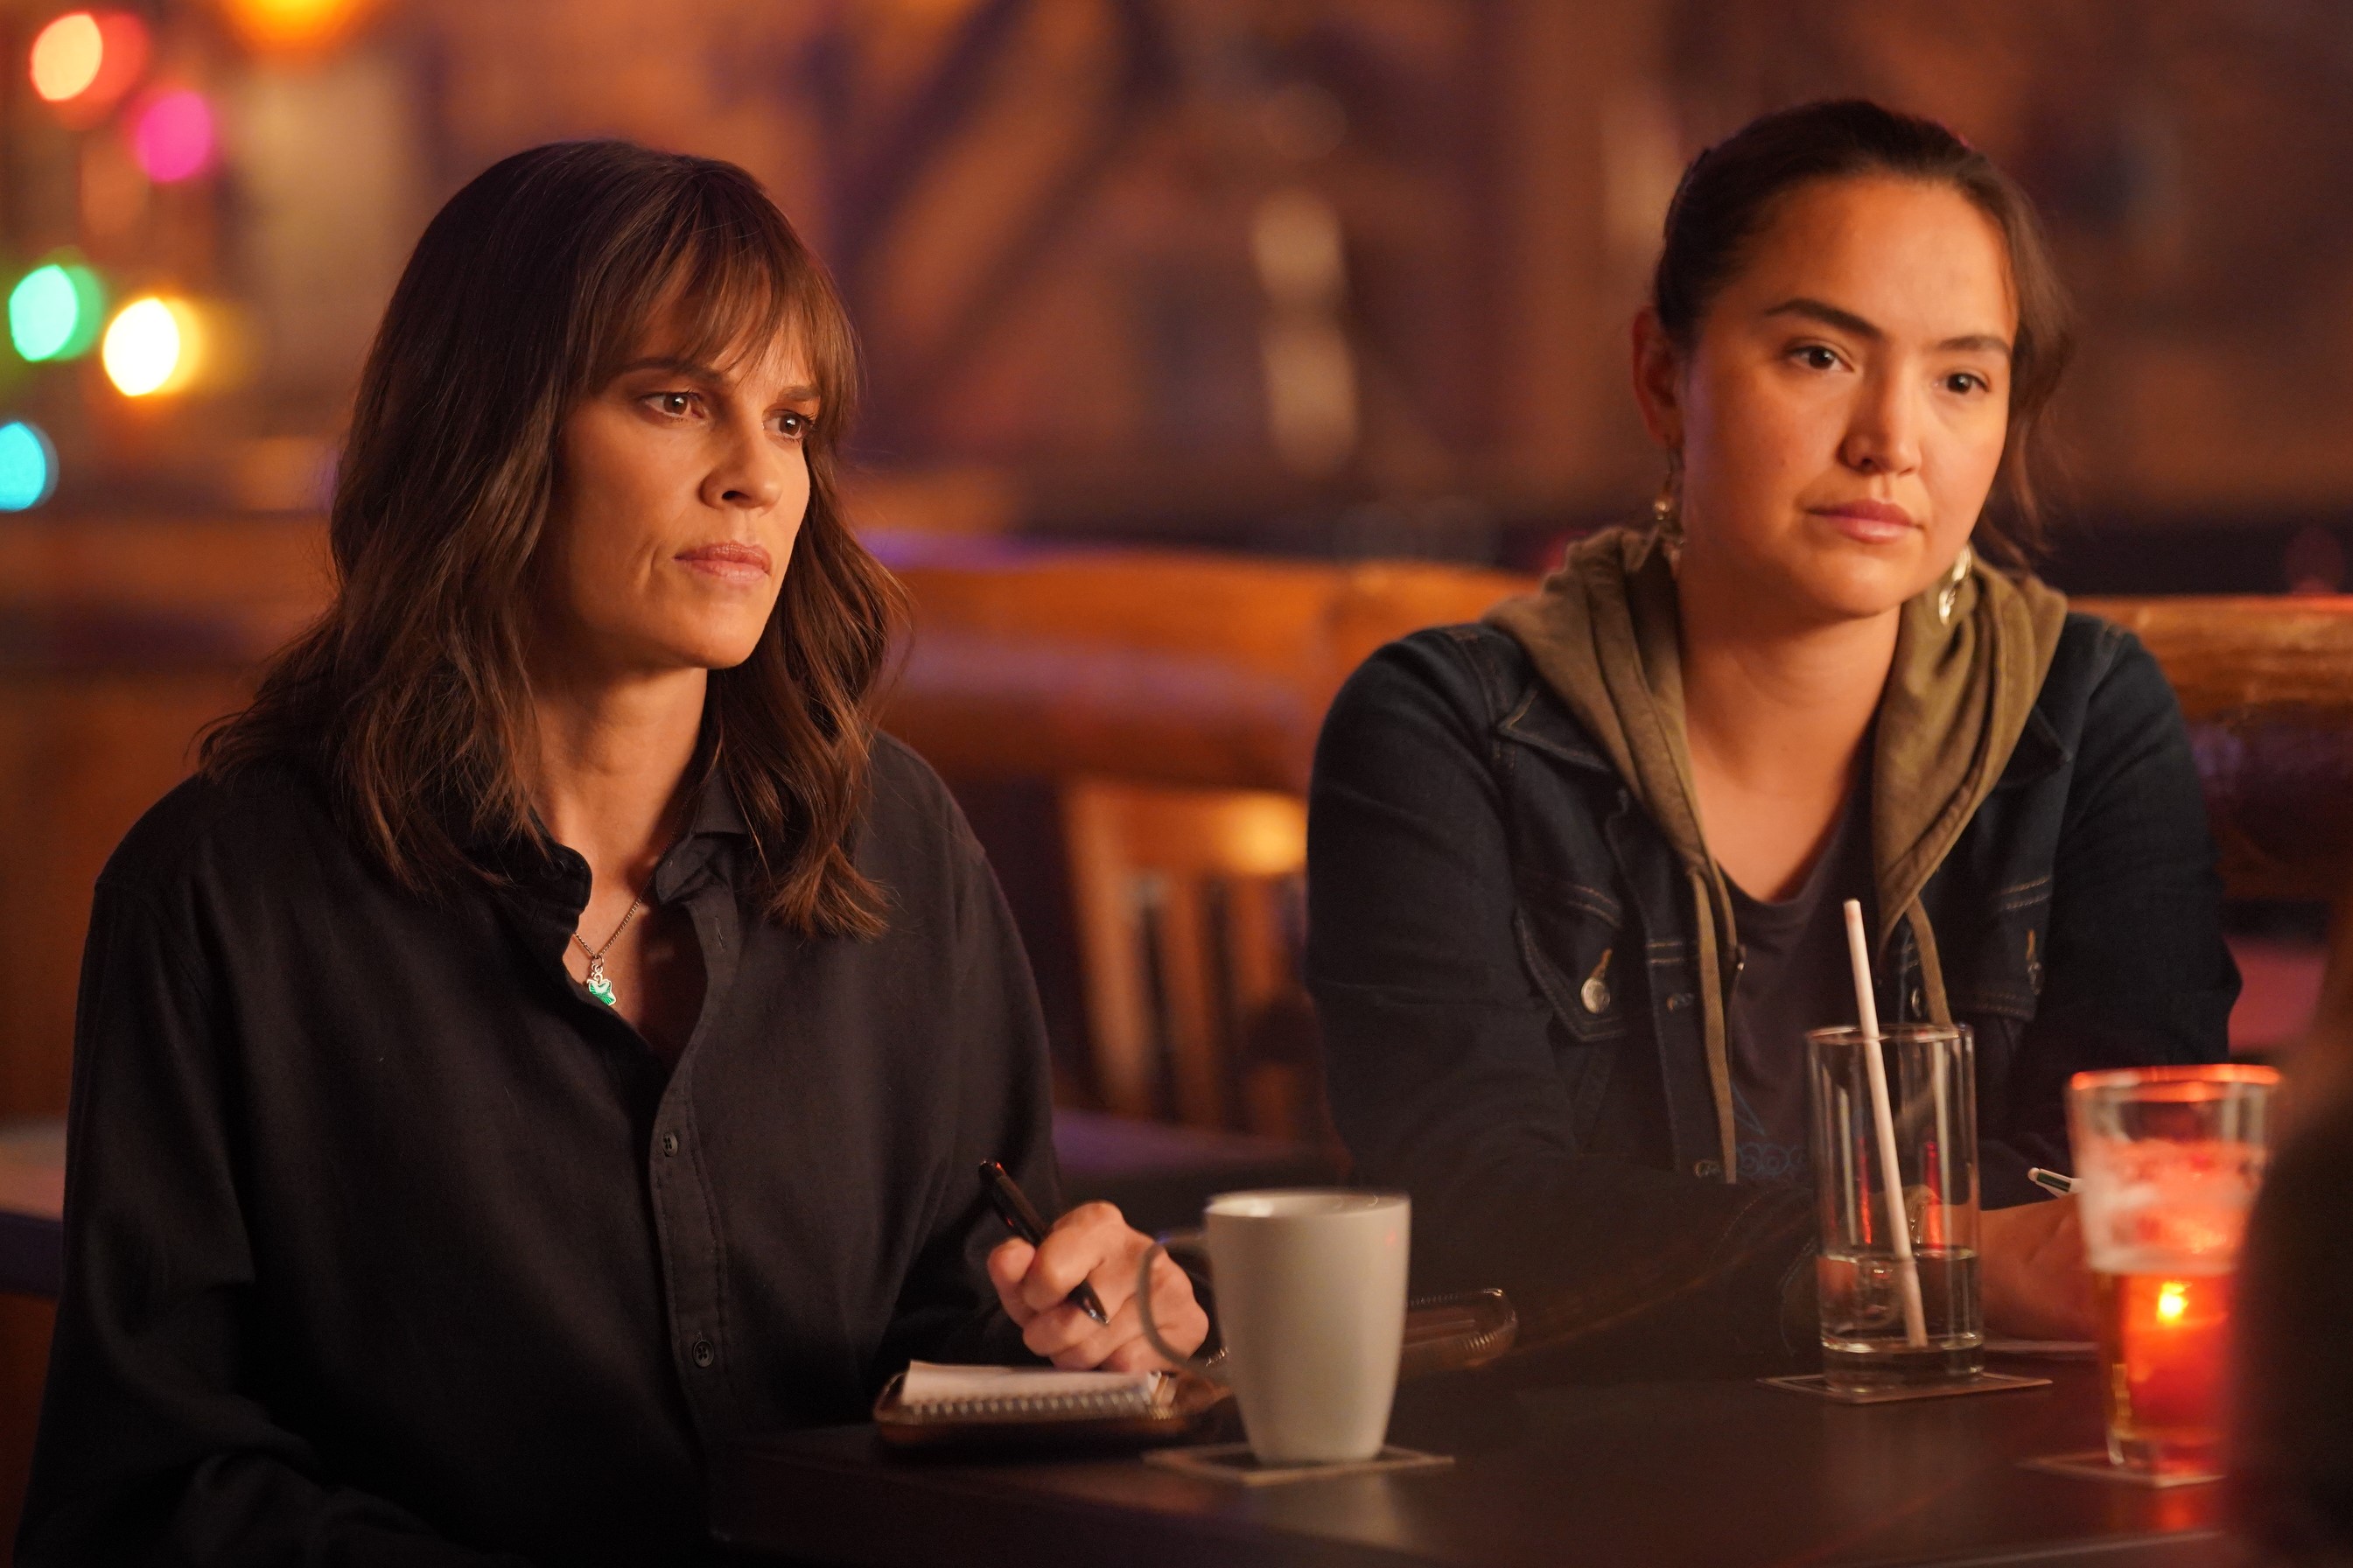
(1576, 873)
(556, 1034)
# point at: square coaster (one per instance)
(1819, 1386)
(2095, 1466)
(1234, 1462)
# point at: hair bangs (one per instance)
(738, 286)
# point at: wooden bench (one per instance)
(1215, 671)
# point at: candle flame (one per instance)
(2172, 1300)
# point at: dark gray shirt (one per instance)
(385, 1243)
(1795, 977)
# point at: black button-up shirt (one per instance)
(386, 1242)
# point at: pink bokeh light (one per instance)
(172, 136)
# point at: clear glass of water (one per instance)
(1874, 1336)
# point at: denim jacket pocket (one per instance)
(1997, 966)
(1575, 952)
(1574, 957)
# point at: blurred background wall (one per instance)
(1326, 277)
(1337, 279)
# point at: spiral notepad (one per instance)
(933, 1391)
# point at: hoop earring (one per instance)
(1949, 595)
(1667, 506)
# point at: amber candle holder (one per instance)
(2167, 1161)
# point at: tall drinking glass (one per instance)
(1873, 1336)
(2167, 1164)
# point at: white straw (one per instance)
(1907, 1268)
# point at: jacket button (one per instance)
(703, 1352)
(1594, 994)
(1708, 1169)
(669, 1142)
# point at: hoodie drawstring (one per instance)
(1715, 1008)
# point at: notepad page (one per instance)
(932, 1383)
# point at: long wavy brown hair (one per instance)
(408, 696)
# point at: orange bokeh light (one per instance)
(84, 60)
(66, 56)
(2172, 1300)
(294, 24)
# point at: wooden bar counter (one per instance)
(1727, 1474)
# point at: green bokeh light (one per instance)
(55, 311)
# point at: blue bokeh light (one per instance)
(28, 466)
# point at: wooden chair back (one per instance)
(1191, 909)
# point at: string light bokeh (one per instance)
(135, 133)
(28, 466)
(172, 136)
(152, 346)
(54, 312)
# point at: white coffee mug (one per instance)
(1310, 1288)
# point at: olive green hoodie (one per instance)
(1603, 633)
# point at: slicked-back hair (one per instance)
(1730, 193)
(528, 291)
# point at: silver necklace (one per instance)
(599, 985)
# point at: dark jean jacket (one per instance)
(1503, 958)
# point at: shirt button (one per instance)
(703, 1352)
(669, 1142)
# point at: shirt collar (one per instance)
(715, 807)
(704, 850)
(544, 871)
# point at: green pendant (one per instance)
(598, 986)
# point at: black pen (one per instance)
(1014, 1209)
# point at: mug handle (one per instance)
(1188, 1241)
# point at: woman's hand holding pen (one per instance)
(1092, 1243)
(2031, 1270)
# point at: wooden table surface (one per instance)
(1723, 1474)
